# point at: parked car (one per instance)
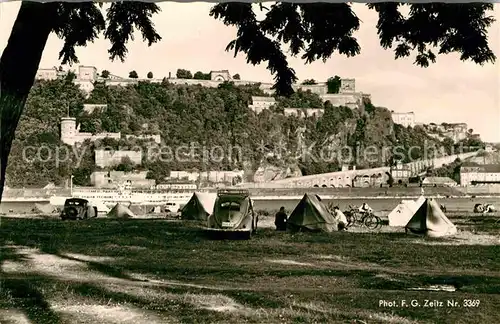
(77, 208)
(233, 213)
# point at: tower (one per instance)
(68, 130)
(88, 73)
(347, 85)
(222, 75)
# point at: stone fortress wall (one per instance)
(87, 75)
(71, 135)
(341, 179)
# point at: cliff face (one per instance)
(341, 136)
(267, 172)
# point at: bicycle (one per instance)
(367, 219)
(371, 221)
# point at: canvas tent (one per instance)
(199, 207)
(430, 220)
(137, 209)
(101, 207)
(120, 211)
(401, 215)
(155, 210)
(44, 208)
(311, 215)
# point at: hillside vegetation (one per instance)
(204, 116)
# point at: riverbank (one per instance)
(330, 197)
(272, 204)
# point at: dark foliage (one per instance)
(320, 30)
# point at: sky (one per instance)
(448, 91)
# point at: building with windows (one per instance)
(261, 103)
(439, 181)
(406, 119)
(155, 138)
(479, 174)
(208, 176)
(111, 179)
(71, 135)
(303, 112)
(105, 158)
(401, 173)
(49, 74)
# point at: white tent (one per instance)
(50, 185)
(45, 208)
(120, 211)
(101, 207)
(207, 200)
(401, 215)
(57, 200)
(430, 220)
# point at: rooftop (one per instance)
(439, 180)
(485, 168)
(402, 113)
(258, 98)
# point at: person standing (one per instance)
(280, 219)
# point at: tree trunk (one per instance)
(18, 67)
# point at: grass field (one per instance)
(160, 271)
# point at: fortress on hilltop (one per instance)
(70, 133)
(347, 96)
(86, 76)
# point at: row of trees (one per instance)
(180, 74)
(186, 74)
(132, 74)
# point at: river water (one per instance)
(380, 205)
(383, 206)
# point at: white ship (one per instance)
(170, 198)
